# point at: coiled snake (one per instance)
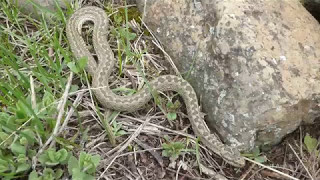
(101, 70)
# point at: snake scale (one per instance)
(101, 70)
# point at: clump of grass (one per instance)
(35, 64)
(33, 76)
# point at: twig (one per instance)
(34, 106)
(178, 170)
(184, 174)
(245, 174)
(133, 136)
(153, 153)
(160, 127)
(192, 138)
(140, 173)
(60, 114)
(272, 169)
(33, 94)
(116, 154)
(71, 111)
(301, 162)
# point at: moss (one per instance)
(120, 16)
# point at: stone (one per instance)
(46, 7)
(254, 64)
(49, 7)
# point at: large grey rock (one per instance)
(35, 8)
(255, 63)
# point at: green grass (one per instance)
(33, 75)
(35, 61)
(35, 64)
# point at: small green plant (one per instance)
(123, 33)
(132, 14)
(117, 131)
(47, 174)
(12, 166)
(79, 65)
(14, 154)
(84, 168)
(51, 157)
(172, 149)
(22, 162)
(311, 144)
(171, 108)
(256, 155)
(29, 91)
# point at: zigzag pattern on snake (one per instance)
(101, 70)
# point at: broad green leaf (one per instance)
(165, 153)
(20, 114)
(17, 148)
(47, 99)
(79, 175)
(22, 159)
(29, 135)
(59, 173)
(73, 67)
(4, 136)
(23, 167)
(256, 151)
(88, 177)
(48, 174)
(260, 159)
(43, 158)
(125, 33)
(31, 153)
(22, 110)
(51, 155)
(23, 141)
(4, 116)
(74, 88)
(310, 142)
(173, 149)
(120, 133)
(33, 175)
(4, 166)
(95, 160)
(63, 154)
(82, 158)
(172, 116)
(72, 164)
(82, 63)
(170, 105)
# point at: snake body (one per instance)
(101, 70)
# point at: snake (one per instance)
(101, 69)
